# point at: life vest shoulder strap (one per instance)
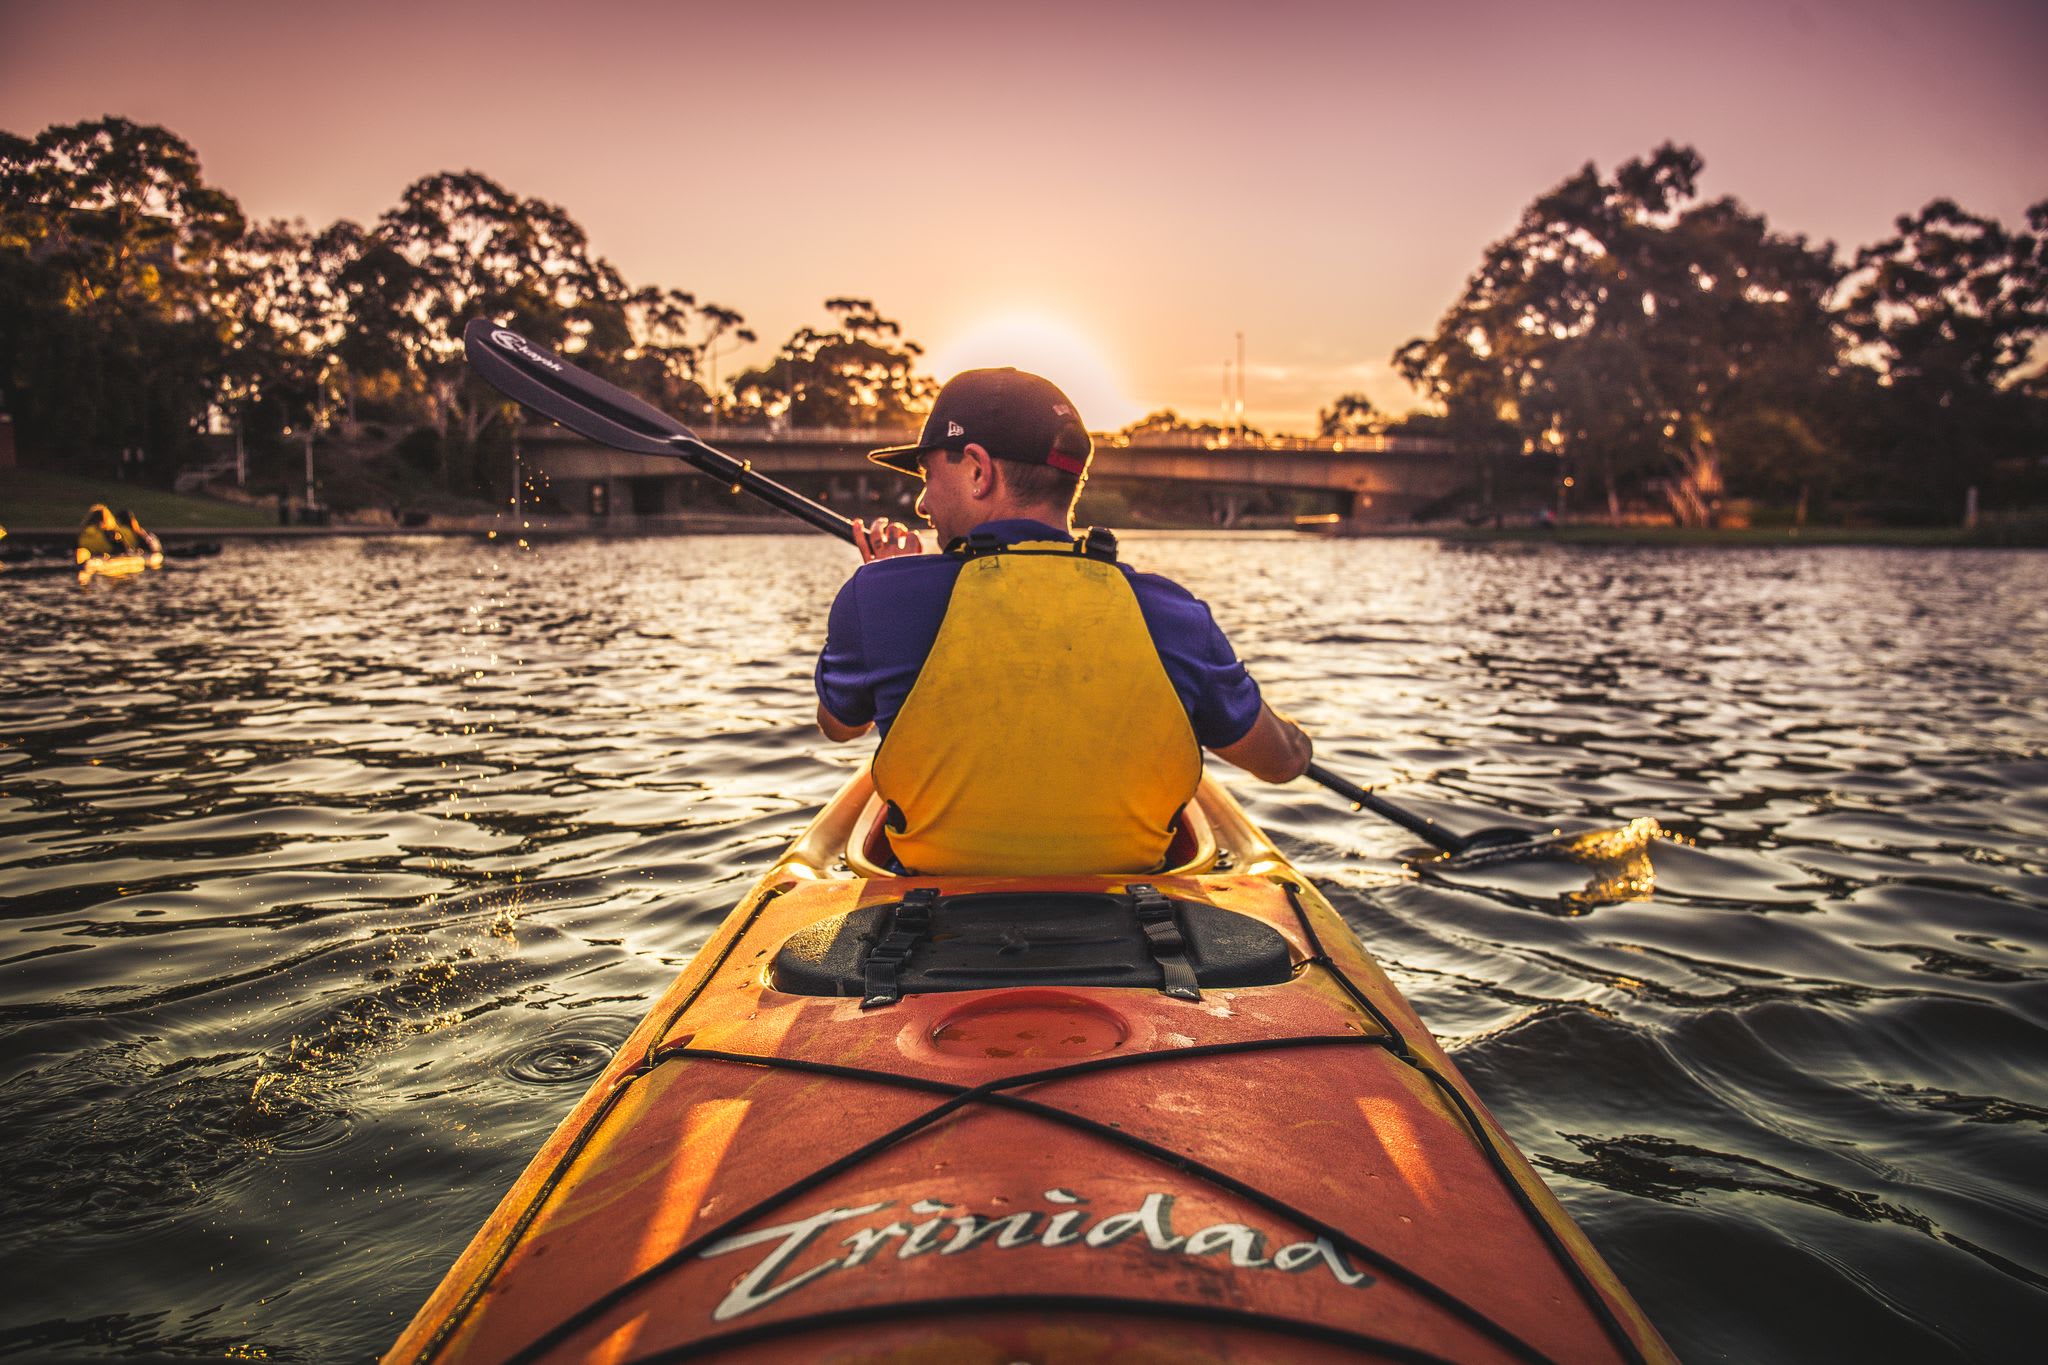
(1099, 544)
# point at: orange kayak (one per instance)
(884, 1118)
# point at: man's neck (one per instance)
(1055, 517)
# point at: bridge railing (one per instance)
(876, 437)
(1371, 443)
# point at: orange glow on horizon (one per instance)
(1047, 347)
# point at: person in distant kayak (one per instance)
(1043, 707)
(99, 534)
(137, 540)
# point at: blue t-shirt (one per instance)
(887, 616)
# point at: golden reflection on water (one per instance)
(1617, 857)
(1633, 880)
(333, 897)
(1623, 871)
(1623, 841)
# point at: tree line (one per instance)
(138, 306)
(1630, 337)
(1653, 342)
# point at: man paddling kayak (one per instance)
(1042, 707)
(135, 538)
(99, 535)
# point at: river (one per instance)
(331, 873)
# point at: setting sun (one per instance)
(1045, 347)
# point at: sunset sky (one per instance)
(1106, 192)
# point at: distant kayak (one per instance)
(117, 566)
(50, 560)
(1179, 1117)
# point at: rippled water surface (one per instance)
(330, 873)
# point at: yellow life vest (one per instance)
(1042, 735)
(99, 535)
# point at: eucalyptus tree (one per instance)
(1623, 326)
(473, 248)
(113, 252)
(675, 340)
(1948, 314)
(725, 332)
(374, 280)
(285, 319)
(1952, 297)
(1349, 414)
(861, 371)
(1166, 424)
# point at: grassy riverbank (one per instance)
(37, 500)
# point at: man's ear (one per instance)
(981, 470)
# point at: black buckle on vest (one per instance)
(1099, 543)
(1169, 946)
(975, 544)
(907, 928)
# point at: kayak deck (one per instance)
(117, 566)
(966, 1151)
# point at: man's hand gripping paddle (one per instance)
(543, 381)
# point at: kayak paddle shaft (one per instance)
(538, 378)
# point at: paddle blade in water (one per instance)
(1611, 844)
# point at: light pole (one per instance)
(740, 338)
(1226, 394)
(1240, 390)
(312, 497)
(711, 394)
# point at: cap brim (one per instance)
(902, 459)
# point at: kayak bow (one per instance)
(1181, 1117)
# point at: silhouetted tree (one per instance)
(1350, 414)
(112, 248)
(1945, 313)
(1622, 325)
(476, 249)
(859, 373)
(675, 340)
(284, 319)
(1167, 423)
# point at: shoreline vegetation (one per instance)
(34, 510)
(1632, 352)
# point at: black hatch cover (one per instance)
(930, 942)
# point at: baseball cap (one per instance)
(1009, 413)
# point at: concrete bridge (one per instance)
(1366, 479)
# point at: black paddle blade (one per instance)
(541, 380)
(553, 387)
(1592, 846)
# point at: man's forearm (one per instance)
(1275, 749)
(837, 730)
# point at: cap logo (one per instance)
(955, 429)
